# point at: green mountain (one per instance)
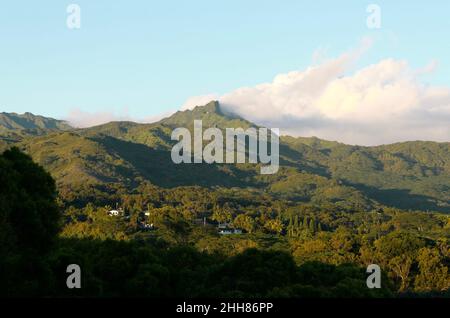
(119, 156)
(13, 121)
(14, 127)
(211, 115)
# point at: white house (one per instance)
(115, 212)
(226, 232)
(229, 231)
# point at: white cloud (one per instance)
(81, 119)
(381, 103)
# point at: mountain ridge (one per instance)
(409, 175)
(48, 123)
(27, 120)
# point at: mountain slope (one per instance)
(14, 127)
(413, 175)
(13, 121)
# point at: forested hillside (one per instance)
(311, 228)
(411, 175)
(14, 127)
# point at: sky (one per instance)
(307, 67)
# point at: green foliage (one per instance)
(13, 121)
(433, 275)
(121, 155)
(309, 231)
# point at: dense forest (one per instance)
(286, 249)
(109, 199)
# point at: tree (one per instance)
(254, 272)
(433, 275)
(222, 215)
(274, 226)
(29, 222)
(397, 251)
(341, 241)
(401, 266)
(28, 201)
(244, 222)
(312, 225)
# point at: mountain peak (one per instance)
(211, 107)
(211, 114)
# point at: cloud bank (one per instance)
(381, 103)
(82, 119)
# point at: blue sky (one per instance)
(149, 57)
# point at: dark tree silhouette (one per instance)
(29, 221)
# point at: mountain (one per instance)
(14, 127)
(211, 115)
(157, 135)
(13, 121)
(410, 175)
(119, 156)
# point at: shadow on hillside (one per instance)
(401, 198)
(297, 160)
(157, 167)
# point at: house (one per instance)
(113, 213)
(228, 231)
(116, 212)
(227, 228)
